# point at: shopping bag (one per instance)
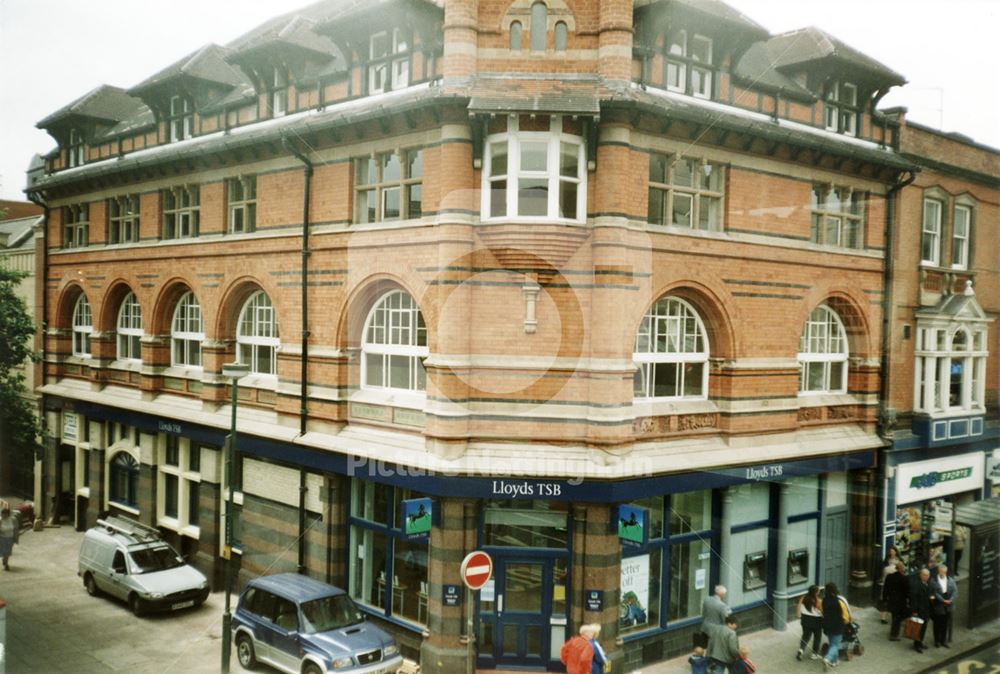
(911, 628)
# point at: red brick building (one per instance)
(534, 261)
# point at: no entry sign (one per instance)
(477, 567)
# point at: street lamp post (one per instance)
(233, 372)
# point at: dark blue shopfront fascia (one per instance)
(491, 487)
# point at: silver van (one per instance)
(130, 561)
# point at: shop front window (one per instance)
(388, 570)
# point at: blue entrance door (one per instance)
(524, 624)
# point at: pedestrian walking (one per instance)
(896, 595)
(836, 615)
(921, 599)
(9, 531)
(810, 613)
(945, 593)
(723, 646)
(743, 664)
(714, 612)
(599, 664)
(961, 538)
(578, 653)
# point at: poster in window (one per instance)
(634, 591)
(417, 517)
(633, 524)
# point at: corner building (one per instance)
(534, 261)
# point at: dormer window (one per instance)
(688, 64)
(388, 61)
(841, 111)
(75, 148)
(181, 119)
(279, 92)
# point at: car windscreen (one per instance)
(160, 558)
(330, 613)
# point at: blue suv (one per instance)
(302, 626)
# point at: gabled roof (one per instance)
(807, 45)
(713, 10)
(757, 68)
(105, 104)
(958, 307)
(296, 31)
(207, 64)
(17, 233)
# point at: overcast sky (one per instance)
(53, 51)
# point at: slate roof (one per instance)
(813, 44)
(296, 31)
(105, 103)
(207, 63)
(507, 93)
(18, 233)
(756, 67)
(723, 116)
(712, 9)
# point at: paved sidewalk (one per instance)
(774, 652)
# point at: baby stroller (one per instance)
(850, 643)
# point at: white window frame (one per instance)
(664, 315)
(391, 70)
(699, 195)
(514, 139)
(933, 230)
(279, 92)
(187, 332)
(245, 206)
(960, 241)
(851, 213)
(180, 121)
(395, 332)
(185, 478)
(818, 345)
(123, 219)
(76, 225)
(76, 154)
(262, 322)
(404, 185)
(679, 58)
(934, 356)
(183, 220)
(129, 329)
(83, 327)
(840, 112)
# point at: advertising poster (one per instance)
(635, 591)
(632, 525)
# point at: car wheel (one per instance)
(135, 604)
(311, 669)
(244, 652)
(91, 585)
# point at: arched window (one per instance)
(394, 344)
(257, 335)
(130, 329)
(124, 479)
(83, 327)
(823, 353)
(186, 333)
(671, 352)
(515, 36)
(539, 26)
(561, 34)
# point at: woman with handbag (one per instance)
(896, 595)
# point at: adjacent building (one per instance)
(602, 287)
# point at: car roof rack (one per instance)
(138, 531)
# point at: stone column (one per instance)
(444, 649)
(596, 555)
(862, 503)
(728, 572)
(781, 595)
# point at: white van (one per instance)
(130, 561)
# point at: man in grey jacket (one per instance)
(723, 646)
(945, 593)
(714, 611)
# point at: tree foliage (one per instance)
(18, 419)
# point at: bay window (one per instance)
(950, 367)
(535, 174)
